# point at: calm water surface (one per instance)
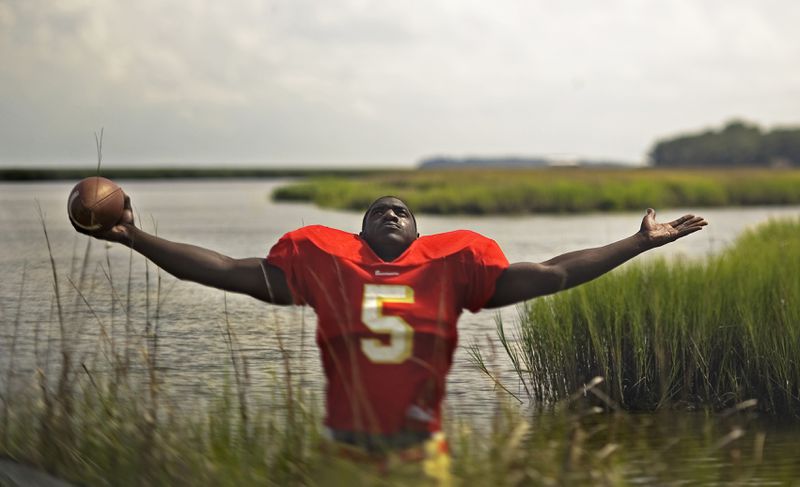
(238, 219)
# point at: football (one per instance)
(95, 204)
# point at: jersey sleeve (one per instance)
(284, 255)
(487, 264)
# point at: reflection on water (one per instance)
(680, 448)
(237, 219)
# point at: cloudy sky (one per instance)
(354, 82)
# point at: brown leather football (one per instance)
(95, 204)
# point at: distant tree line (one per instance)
(737, 144)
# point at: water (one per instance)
(238, 219)
(683, 448)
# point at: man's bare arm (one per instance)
(527, 280)
(251, 276)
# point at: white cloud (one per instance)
(357, 81)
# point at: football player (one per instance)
(387, 301)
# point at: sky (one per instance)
(339, 83)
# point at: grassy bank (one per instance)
(107, 419)
(109, 438)
(104, 417)
(688, 334)
(564, 190)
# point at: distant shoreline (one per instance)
(551, 190)
(73, 173)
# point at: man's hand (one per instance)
(526, 280)
(657, 234)
(121, 232)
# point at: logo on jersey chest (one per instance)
(380, 273)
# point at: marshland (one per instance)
(546, 126)
(679, 367)
(553, 190)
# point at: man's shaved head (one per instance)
(389, 227)
(364, 220)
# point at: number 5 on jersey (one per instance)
(401, 334)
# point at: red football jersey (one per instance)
(387, 330)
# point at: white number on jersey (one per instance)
(401, 335)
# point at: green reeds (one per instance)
(122, 426)
(709, 333)
(552, 190)
(102, 417)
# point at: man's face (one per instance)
(389, 223)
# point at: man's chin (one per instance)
(393, 238)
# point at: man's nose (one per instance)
(390, 215)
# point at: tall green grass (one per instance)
(677, 333)
(103, 416)
(565, 190)
(108, 419)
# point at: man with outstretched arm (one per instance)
(387, 302)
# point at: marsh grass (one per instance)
(552, 190)
(102, 417)
(664, 334)
(105, 417)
